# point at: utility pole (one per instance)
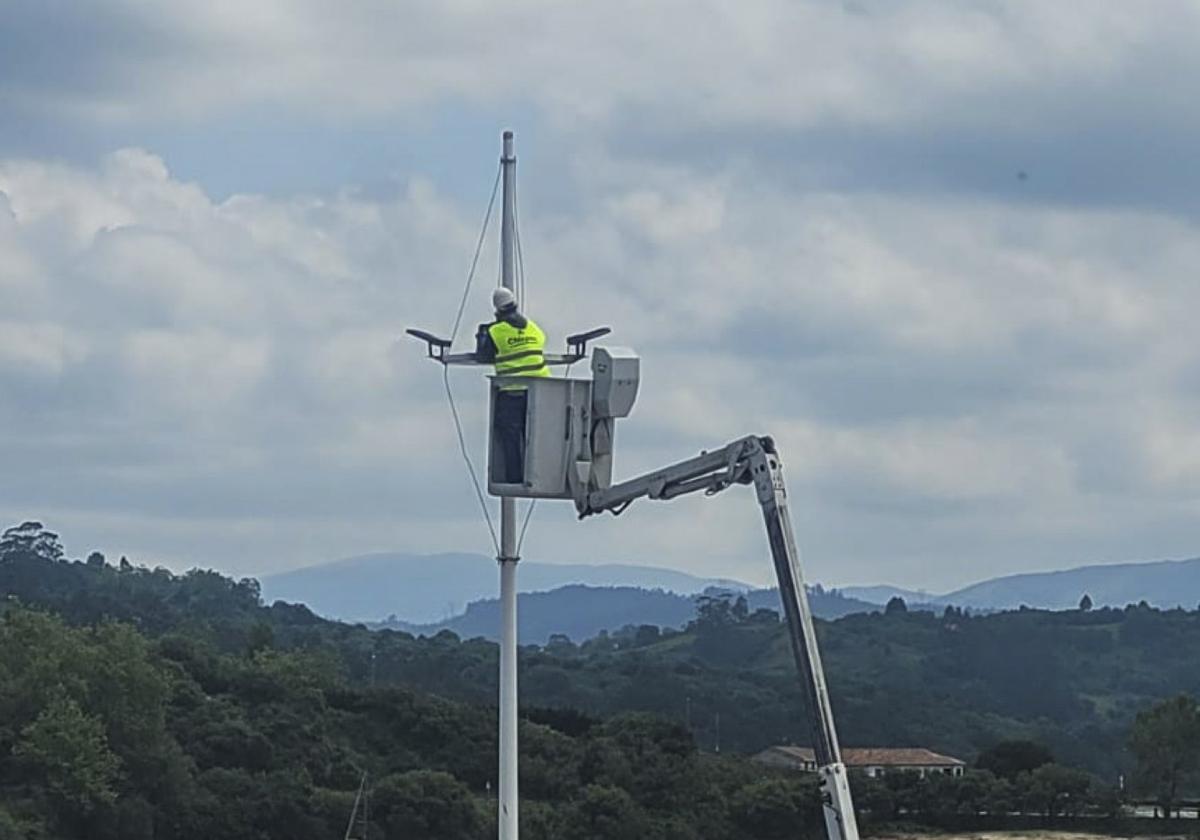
(508, 548)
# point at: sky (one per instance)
(946, 254)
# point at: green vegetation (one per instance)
(582, 612)
(135, 703)
(108, 735)
(1166, 741)
(1009, 759)
(955, 683)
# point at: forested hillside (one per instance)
(175, 696)
(106, 734)
(582, 612)
(202, 715)
(951, 682)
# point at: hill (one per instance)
(110, 732)
(427, 593)
(1162, 583)
(422, 589)
(954, 683)
(1165, 583)
(582, 612)
(205, 715)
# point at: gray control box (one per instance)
(615, 375)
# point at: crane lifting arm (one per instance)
(754, 460)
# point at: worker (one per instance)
(516, 346)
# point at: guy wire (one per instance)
(462, 305)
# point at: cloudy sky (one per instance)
(948, 254)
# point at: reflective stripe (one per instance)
(524, 369)
(524, 354)
(519, 352)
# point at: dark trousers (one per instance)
(510, 434)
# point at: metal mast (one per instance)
(507, 817)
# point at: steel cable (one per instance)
(462, 305)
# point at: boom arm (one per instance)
(753, 460)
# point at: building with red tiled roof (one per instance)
(874, 761)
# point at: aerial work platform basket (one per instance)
(568, 428)
(557, 432)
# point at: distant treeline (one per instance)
(581, 612)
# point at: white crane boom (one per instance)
(754, 460)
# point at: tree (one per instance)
(647, 634)
(1109, 801)
(740, 609)
(1165, 741)
(910, 791)
(652, 758)
(713, 611)
(764, 616)
(31, 537)
(560, 643)
(1054, 789)
(778, 809)
(9, 828)
(427, 803)
(1085, 603)
(261, 637)
(250, 588)
(605, 813)
(1000, 797)
(895, 606)
(972, 791)
(873, 800)
(1008, 759)
(68, 749)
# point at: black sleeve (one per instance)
(485, 348)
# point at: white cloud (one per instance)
(950, 372)
(768, 63)
(37, 350)
(648, 213)
(806, 215)
(195, 372)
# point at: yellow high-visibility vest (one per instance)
(519, 352)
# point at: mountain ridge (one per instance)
(424, 591)
(1160, 583)
(582, 612)
(429, 588)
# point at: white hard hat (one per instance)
(503, 299)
